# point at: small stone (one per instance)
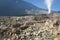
(8, 39)
(14, 37)
(57, 38)
(36, 38)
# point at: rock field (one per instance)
(29, 28)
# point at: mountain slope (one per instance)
(11, 8)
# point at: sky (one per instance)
(41, 4)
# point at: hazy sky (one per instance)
(41, 4)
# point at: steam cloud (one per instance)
(49, 4)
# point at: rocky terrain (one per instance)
(30, 27)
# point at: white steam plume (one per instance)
(49, 4)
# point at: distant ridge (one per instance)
(13, 8)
